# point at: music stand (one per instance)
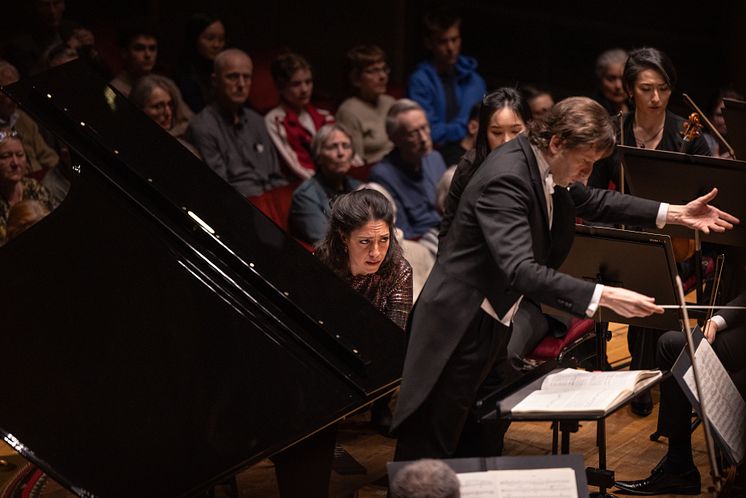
(735, 117)
(678, 178)
(639, 261)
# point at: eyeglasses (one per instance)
(413, 135)
(374, 70)
(6, 134)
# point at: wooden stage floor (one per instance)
(629, 450)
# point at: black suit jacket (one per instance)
(500, 247)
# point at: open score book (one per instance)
(577, 392)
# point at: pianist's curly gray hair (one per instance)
(350, 212)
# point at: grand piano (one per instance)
(159, 333)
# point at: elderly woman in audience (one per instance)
(331, 149)
(364, 114)
(203, 41)
(14, 186)
(295, 121)
(159, 98)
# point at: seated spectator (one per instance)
(717, 119)
(331, 149)
(364, 114)
(454, 151)
(411, 171)
(610, 72)
(539, 101)
(204, 40)
(42, 161)
(139, 49)
(295, 121)
(160, 99)
(47, 28)
(231, 138)
(39, 156)
(23, 215)
(446, 85)
(14, 185)
(425, 478)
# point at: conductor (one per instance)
(514, 226)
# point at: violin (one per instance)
(692, 129)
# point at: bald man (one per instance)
(233, 139)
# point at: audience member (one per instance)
(203, 41)
(447, 84)
(295, 121)
(39, 156)
(410, 172)
(364, 114)
(14, 185)
(23, 215)
(717, 119)
(139, 49)
(425, 478)
(28, 51)
(610, 71)
(539, 101)
(453, 152)
(160, 99)
(331, 149)
(230, 137)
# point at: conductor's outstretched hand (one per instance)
(628, 303)
(699, 215)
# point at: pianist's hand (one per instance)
(699, 215)
(628, 303)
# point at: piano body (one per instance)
(159, 333)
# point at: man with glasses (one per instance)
(410, 172)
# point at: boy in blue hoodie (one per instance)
(446, 85)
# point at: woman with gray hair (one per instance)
(331, 150)
(160, 98)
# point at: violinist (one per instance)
(649, 79)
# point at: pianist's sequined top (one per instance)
(390, 292)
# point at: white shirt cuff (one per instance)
(595, 299)
(719, 321)
(660, 220)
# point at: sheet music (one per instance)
(725, 406)
(572, 378)
(580, 400)
(524, 483)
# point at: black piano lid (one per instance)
(165, 333)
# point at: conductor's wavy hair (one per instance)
(350, 212)
(576, 121)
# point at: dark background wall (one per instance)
(552, 45)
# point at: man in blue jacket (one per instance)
(447, 85)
